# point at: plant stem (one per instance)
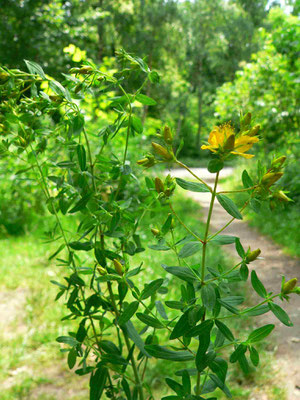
(238, 190)
(183, 224)
(207, 226)
(90, 159)
(228, 223)
(194, 175)
(198, 389)
(133, 363)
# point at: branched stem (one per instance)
(194, 175)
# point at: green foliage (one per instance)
(267, 86)
(114, 337)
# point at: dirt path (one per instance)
(270, 270)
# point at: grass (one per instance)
(31, 365)
(282, 225)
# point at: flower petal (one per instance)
(242, 154)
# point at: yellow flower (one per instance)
(219, 141)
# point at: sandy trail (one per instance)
(270, 269)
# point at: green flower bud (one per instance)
(101, 270)
(252, 255)
(161, 151)
(270, 178)
(254, 131)
(85, 70)
(159, 186)
(168, 137)
(278, 162)
(155, 232)
(281, 196)
(289, 286)
(229, 144)
(245, 121)
(118, 267)
(147, 162)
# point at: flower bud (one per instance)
(143, 161)
(155, 232)
(101, 270)
(281, 196)
(78, 87)
(278, 162)
(168, 137)
(118, 267)
(56, 99)
(270, 178)
(85, 70)
(246, 120)
(229, 144)
(289, 286)
(252, 255)
(73, 70)
(254, 131)
(159, 186)
(148, 161)
(164, 153)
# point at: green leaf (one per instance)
(72, 358)
(186, 382)
(175, 386)
(192, 186)
(229, 206)
(254, 356)
(59, 89)
(81, 154)
(244, 271)
(166, 354)
(247, 181)
(223, 239)
(220, 384)
(70, 340)
(61, 247)
(147, 101)
(161, 309)
(97, 382)
(189, 249)
(135, 337)
(176, 305)
(215, 165)
(136, 124)
(80, 204)
(84, 246)
(208, 296)
(204, 327)
(238, 352)
(154, 77)
(35, 68)
(228, 306)
(182, 325)
(151, 288)
(126, 388)
(233, 300)
(257, 311)
(182, 273)
(260, 333)
(150, 321)
(128, 312)
(225, 330)
(257, 285)
(280, 313)
(239, 248)
(219, 366)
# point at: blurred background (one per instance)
(215, 59)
